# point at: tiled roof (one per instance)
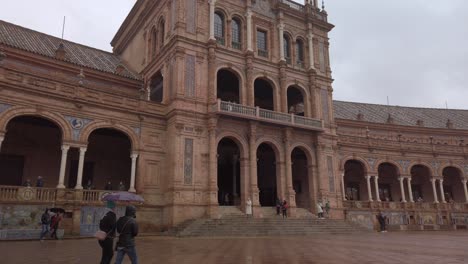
(401, 115)
(39, 43)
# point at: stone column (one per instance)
(441, 187)
(248, 16)
(402, 189)
(213, 171)
(310, 38)
(288, 170)
(253, 165)
(465, 189)
(63, 165)
(79, 177)
(369, 190)
(434, 191)
(377, 194)
(1, 141)
(343, 187)
(212, 11)
(410, 190)
(281, 43)
(134, 157)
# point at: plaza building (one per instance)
(203, 105)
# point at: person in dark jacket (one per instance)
(45, 222)
(382, 222)
(127, 228)
(107, 224)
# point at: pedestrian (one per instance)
(54, 224)
(327, 208)
(248, 208)
(320, 210)
(226, 199)
(27, 183)
(45, 222)
(107, 224)
(284, 209)
(40, 182)
(278, 206)
(127, 228)
(108, 186)
(382, 222)
(89, 185)
(121, 186)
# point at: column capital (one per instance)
(441, 181)
(280, 26)
(64, 147)
(401, 178)
(368, 177)
(134, 155)
(310, 36)
(212, 2)
(463, 181)
(248, 13)
(375, 176)
(83, 149)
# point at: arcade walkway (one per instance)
(421, 247)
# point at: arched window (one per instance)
(219, 28)
(300, 53)
(287, 48)
(236, 34)
(161, 33)
(153, 42)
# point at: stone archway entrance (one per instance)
(266, 173)
(389, 186)
(107, 161)
(420, 184)
(264, 94)
(354, 181)
(453, 186)
(31, 148)
(227, 86)
(300, 177)
(229, 185)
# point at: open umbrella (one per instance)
(123, 196)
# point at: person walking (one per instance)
(284, 209)
(278, 206)
(45, 222)
(327, 208)
(127, 228)
(320, 210)
(248, 208)
(382, 222)
(107, 224)
(54, 224)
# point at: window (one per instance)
(161, 34)
(287, 48)
(154, 42)
(262, 43)
(219, 28)
(300, 53)
(236, 34)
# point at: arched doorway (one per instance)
(453, 186)
(389, 186)
(266, 173)
(421, 184)
(300, 177)
(107, 160)
(263, 92)
(31, 148)
(295, 101)
(354, 181)
(229, 188)
(227, 86)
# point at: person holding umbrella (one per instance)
(127, 228)
(107, 224)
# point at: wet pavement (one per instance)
(418, 247)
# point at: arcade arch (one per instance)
(267, 174)
(452, 185)
(264, 94)
(228, 86)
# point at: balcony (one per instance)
(263, 53)
(256, 113)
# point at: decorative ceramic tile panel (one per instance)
(188, 161)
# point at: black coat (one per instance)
(107, 224)
(128, 230)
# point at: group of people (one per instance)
(108, 187)
(127, 228)
(39, 182)
(321, 208)
(282, 207)
(50, 222)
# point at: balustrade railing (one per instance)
(263, 114)
(8, 193)
(293, 5)
(46, 194)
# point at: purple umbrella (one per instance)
(123, 196)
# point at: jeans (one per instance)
(130, 251)
(45, 230)
(107, 246)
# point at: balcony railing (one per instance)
(257, 113)
(263, 53)
(220, 40)
(236, 45)
(293, 5)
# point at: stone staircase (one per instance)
(236, 224)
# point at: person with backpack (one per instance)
(107, 225)
(127, 228)
(45, 222)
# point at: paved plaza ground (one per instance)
(420, 247)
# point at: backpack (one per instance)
(45, 219)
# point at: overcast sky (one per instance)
(415, 52)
